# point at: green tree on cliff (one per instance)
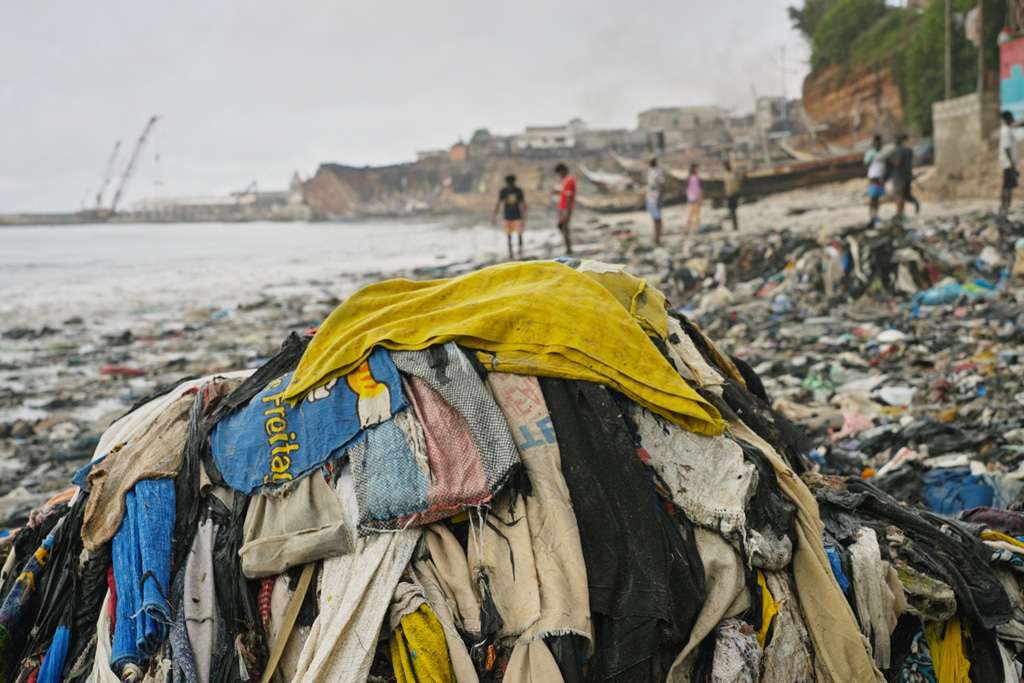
(806, 19)
(840, 27)
(925, 59)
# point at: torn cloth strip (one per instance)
(274, 440)
(576, 330)
(645, 579)
(142, 568)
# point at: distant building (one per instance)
(588, 140)
(545, 138)
(679, 118)
(483, 145)
(458, 153)
(432, 156)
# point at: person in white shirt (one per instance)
(1009, 158)
(653, 198)
(875, 161)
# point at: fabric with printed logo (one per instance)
(274, 440)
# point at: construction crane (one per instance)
(131, 162)
(107, 175)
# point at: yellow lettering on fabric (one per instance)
(281, 441)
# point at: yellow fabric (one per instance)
(419, 651)
(948, 656)
(540, 318)
(644, 303)
(769, 608)
(988, 535)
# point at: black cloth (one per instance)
(645, 576)
(512, 198)
(1009, 179)
(941, 547)
(788, 440)
(902, 166)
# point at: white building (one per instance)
(545, 137)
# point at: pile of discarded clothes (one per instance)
(950, 261)
(534, 472)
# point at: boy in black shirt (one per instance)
(515, 212)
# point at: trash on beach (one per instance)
(544, 472)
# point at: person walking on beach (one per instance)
(732, 193)
(653, 197)
(1009, 159)
(695, 197)
(515, 213)
(566, 203)
(903, 175)
(876, 176)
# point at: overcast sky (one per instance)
(256, 89)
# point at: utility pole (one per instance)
(981, 46)
(760, 127)
(949, 49)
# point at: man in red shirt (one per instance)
(566, 203)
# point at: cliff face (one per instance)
(430, 187)
(864, 102)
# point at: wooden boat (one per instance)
(783, 178)
(608, 181)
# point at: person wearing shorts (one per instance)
(875, 161)
(652, 197)
(511, 197)
(1009, 159)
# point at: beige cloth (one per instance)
(154, 453)
(302, 525)
(789, 657)
(280, 598)
(532, 662)
(708, 476)
(425, 575)
(549, 595)
(129, 426)
(448, 571)
(842, 652)
(354, 593)
(689, 362)
(726, 596)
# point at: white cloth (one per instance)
(101, 672)
(879, 594)
(532, 663)
(708, 476)
(1008, 143)
(789, 655)
(354, 594)
(201, 600)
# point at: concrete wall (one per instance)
(963, 130)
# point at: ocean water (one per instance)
(50, 273)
